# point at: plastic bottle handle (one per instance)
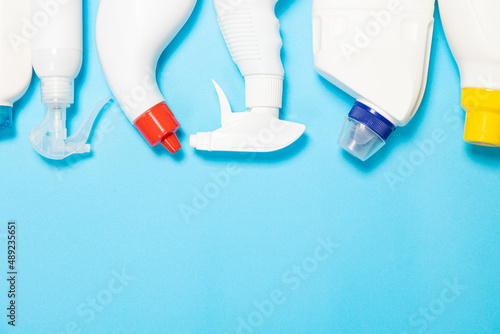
(252, 34)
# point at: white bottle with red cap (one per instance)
(15, 56)
(131, 35)
(252, 34)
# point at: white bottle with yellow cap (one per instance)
(472, 28)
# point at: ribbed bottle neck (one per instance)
(58, 92)
(264, 91)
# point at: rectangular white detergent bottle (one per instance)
(378, 52)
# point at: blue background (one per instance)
(420, 213)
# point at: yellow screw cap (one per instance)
(482, 124)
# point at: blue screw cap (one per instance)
(373, 120)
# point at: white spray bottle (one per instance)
(472, 28)
(378, 52)
(15, 56)
(57, 60)
(251, 31)
(131, 35)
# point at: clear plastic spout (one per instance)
(49, 138)
(359, 140)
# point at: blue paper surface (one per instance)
(306, 240)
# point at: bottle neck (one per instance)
(57, 92)
(264, 91)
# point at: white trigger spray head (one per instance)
(49, 138)
(256, 130)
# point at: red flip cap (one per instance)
(158, 125)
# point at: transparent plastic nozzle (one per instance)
(5, 117)
(359, 140)
(49, 138)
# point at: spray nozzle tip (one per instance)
(158, 125)
(49, 138)
(171, 143)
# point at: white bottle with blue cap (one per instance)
(378, 52)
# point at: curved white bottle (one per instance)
(131, 35)
(251, 31)
(57, 60)
(378, 52)
(472, 28)
(15, 56)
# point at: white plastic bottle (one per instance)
(251, 31)
(131, 35)
(57, 60)
(472, 28)
(15, 56)
(378, 52)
